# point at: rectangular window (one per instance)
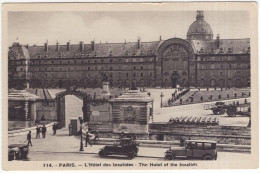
(126, 74)
(45, 69)
(111, 68)
(134, 74)
(88, 68)
(141, 74)
(141, 67)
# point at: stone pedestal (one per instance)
(105, 91)
(131, 113)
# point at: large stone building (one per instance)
(199, 61)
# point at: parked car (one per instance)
(17, 151)
(124, 146)
(193, 149)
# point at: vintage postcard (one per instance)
(125, 86)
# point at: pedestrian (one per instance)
(70, 129)
(54, 128)
(96, 136)
(38, 132)
(87, 140)
(44, 131)
(181, 141)
(29, 137)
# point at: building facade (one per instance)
(199, 61)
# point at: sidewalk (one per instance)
(63, 143)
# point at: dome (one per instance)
(200, 29)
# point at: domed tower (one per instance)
(200, 29)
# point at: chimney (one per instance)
(218, 41)
(139, 43)
(68, 46)
(160, 38)
(46, 46)
(58, 46)
(82, 46)
(93, 45)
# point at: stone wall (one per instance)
(222, 134)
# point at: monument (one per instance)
(131, 113)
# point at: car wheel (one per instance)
(102, 153)
(168, 157)
(130, 155)
(207, 157)
(18, 155)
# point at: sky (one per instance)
(117, 27)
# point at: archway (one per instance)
(60, 105)
(238, 83)
(221, 83)
(212, 83)
(201, 83)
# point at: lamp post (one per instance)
(161, 98)
(81, 142)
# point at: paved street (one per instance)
(62, 147)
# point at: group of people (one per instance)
(38, 131)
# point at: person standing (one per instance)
(44, 131)
(70, 129)
(87, 140)
(54, 128)
(96, 136)
(181, 141)
(38, 132)
(29, 137)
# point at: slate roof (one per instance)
(100, 50)
(238, 46)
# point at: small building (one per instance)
(131, 112)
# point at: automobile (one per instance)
(17, 151)
(124, 146)
(193, 149)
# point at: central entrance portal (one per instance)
(75, 104)
(174, 82)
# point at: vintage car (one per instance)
(17, 151)
(124, 146)
(193, 149)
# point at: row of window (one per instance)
(92, 68)
(223, 66)
(90, 75)
(228, 74)
(224, 58)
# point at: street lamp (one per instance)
(81, 142)
(161, 98)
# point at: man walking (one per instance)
(70, 129)
(87, 140)
(38, 132)
(29, 136)
(54, 128)
(44, 131)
